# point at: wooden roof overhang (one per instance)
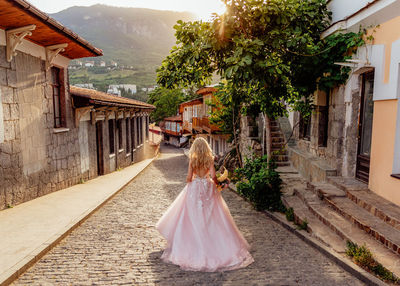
(46, 32)
(100, 103)
(177, 118)
(206, 90)
(192, 102)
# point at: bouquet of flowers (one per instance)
(222, 178)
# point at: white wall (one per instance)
(377, 13)
(344, 8)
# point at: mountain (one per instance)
(135, 37)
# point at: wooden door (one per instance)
(99, 147)
(365, 127)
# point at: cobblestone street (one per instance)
(118, 245)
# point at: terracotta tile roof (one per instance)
(19, 13)
(206, 90)
(173, 118)
(107, 99)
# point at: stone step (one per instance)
(282, 164)
(278, 145)
(273, 123)
(275, 129)
(279, 139)
(314, 226)
(347, 184)
(279, 149)
(276, 134)
(347, 230)
(280, 158)
(288, 171)
(325, 190)
(373, 226)
(380, 207)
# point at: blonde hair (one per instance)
(200, 154)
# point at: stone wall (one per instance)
(340, 150)
(249, 140)
(35, 159)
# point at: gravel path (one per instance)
(118, 245)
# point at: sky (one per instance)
(202, 8)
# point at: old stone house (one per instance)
(46, 141)
(355, 129)
(113, 132)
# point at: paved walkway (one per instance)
(119, 245)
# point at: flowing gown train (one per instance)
(200, 231)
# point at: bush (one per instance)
(289, 214)
(363, 257)
(260, 184)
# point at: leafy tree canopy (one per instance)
(268, 53)
(166, 102)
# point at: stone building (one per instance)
(42, 144)
(113, 132)
(355, 129)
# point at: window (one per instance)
(178, 127)
(111, 135)
(119, 127)
(128, 147)
(58, 97)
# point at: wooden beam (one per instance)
(52, 52)
(80, 112)
(108, 112)
(102, 108)
(14, 37)
(93, 117)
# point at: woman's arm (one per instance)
(189, 177)
(212, 173)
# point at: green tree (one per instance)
(268, 53)
(166, 102)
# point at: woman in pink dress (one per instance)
(198, 226)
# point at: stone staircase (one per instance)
(278, 148)
(343, 209)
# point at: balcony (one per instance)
(197, 124)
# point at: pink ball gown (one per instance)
(200, 231)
